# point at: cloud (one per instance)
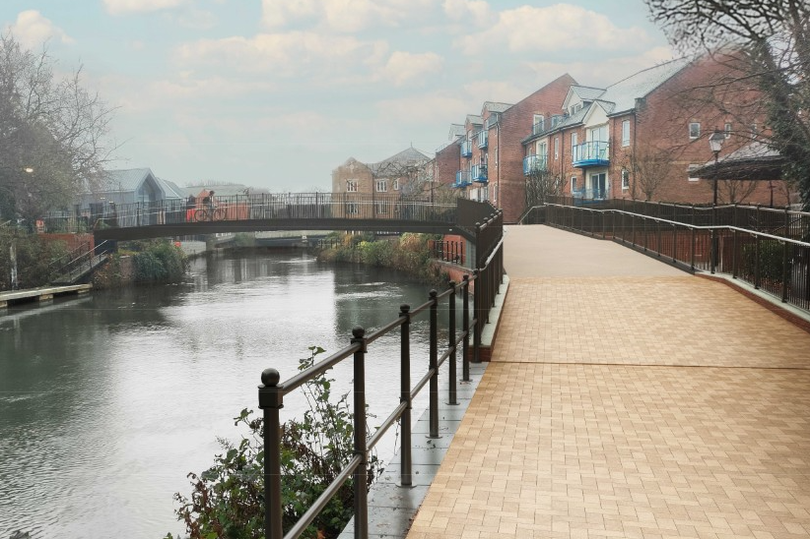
(464, 10)
(422, 110)
(31, 29)
(405, 67)
(553, 28)
(285, 55)
(125, 7)
(345, 16)
(604, 72)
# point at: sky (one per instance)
(278, 93)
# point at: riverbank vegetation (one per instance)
(156, 261)
(227, 499)
(36, 258)
(409, 253)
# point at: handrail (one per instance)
(778, 265)
(272, 391)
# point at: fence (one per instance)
(489, 244)
(777, 264)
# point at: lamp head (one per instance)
(716, 141)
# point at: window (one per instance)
(574, 140)
(539, 124)
(625, 179)
(727, 129)
(625, 133)
(382, 207)
(351, 186)
(352, 208)
(573, 184)
(557, 148)
(694, 130)
(382, 186)
(396, 184)
(692, 177)
(754, 130)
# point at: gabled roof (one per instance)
(171, 189)
(456, 130)
(407, 157)
(587, 93)
(125, 180)
(495, 106)
(754, 161)
(474, 119)
(623, 94)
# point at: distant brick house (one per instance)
(642, 137)
(372, 189)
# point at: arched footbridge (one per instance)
(295, 211)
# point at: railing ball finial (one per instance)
(433, 294)
(270, 377)
(358, 332)
(404, 308)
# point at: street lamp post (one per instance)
(716, 144)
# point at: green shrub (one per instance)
(36, 258)
(227, 500)
(771, 260)
(158, 261)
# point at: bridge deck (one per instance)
(626, 399)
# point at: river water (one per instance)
(108, 401)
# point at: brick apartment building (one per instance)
(407, 173)
(486, 160)
(641, 137)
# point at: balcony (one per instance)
(589, 195)
(462, 179)
(478, 173)
(589, 154)
(532, 164)
(466, 148)
(483, 138)
(539, 127)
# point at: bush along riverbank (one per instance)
(227, 499)
(143, 262)
(409, 253)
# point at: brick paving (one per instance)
(627, 399)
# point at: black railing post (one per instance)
(406, 473)
(271, 401)
(477, 302)
(734, 254)
(453, 390)
(465, 322)
(785, 256)
(756, 261)
(433, 366)
(360, 476)
(692, 247)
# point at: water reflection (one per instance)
(106, 402)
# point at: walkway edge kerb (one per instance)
(793, 315)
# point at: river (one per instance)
(108, 401)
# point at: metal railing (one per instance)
(484, 280)
(448, 251)
(261, 206)
(776, 264)
(78, 263)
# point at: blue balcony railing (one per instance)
(462, 179)
(478, 173)
(532, 164)
(590, 194)
(483, 138)
(592, 153)
(538, 127)
(466, 148)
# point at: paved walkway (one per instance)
(627, 399)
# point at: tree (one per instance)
(772, 42)
(541, 185)
(649, 168)
(52, 133)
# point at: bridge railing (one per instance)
(272, 391)
(262, 206)
(777, 264)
